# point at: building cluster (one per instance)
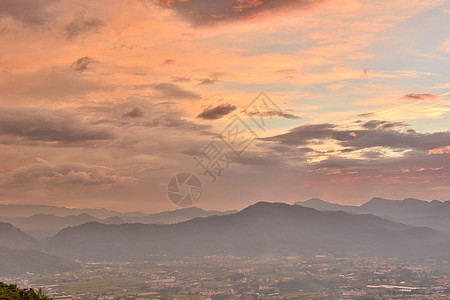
(225, 277)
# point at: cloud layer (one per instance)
(375, 134)
(33, 12)
(63, 174)
(37, 124)
(201, 12)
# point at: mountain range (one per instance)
(433, 214)
(258, 230)
(43, 225)
(261, 229)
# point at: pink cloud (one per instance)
(419, 96)
(442, 150)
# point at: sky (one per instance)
(103, 102)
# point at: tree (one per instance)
(11, 292)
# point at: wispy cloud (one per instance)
(136, 112)
(170, 91)
(419, 96)
(81, 25)
(82, 64)
(214, 113)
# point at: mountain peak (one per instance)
(262, 205)
(315, 200)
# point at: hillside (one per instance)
(263, 228)
(13, 237)
(14, 262)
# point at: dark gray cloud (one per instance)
(65, 127)
(273, 113)
(169, 61)
(286, 71)
(181, 79)
(82, 64)
(63, 174)
(374, 134)
(374, 124)
(420, 96)
(367, 115)
(136, 112)
(175, 122)
(171, 91)
(81, 25)
(200, 12)
(214, 113)
(33, 12)
(208, 81)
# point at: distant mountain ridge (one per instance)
(43, 225)
(434, 214)
(263, 228)
(27, 210)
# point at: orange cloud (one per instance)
(443, 150)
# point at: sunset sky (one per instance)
(102, 102)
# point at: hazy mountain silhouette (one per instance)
(113, 220)
(263, 228)
(319, 204)
(13, 237)
(175, 216)
(434, 214)
(45, 225)
(13, 213)
(25, 210)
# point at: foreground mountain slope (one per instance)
(263, 228)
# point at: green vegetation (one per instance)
(11, 292)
